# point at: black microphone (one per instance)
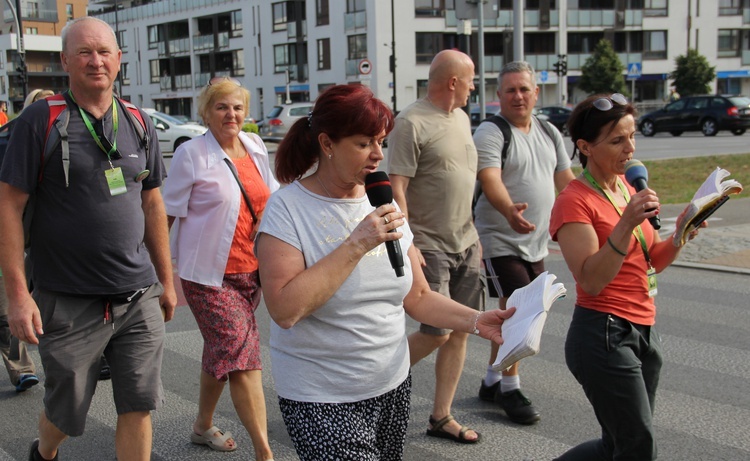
(379, 192)
(637, 176)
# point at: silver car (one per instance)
(281, 118)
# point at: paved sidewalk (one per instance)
(723, 246)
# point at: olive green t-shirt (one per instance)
(434, 148)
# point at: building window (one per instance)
(153, 37)
(357, 46)
(236, 23)
(432, 8)
(655, 44)
(321, 12)
(121, 40)
(31, 31)
(124, 73)
(279, 16)
(353, 6)
(729, 43)
(324, 54)
(655, 8)
(730, 7)
(154, 68)
(539, 43)
(588, 4)
(428, 45)
(282, 57)
(32, 10)
(533, 4)
(69, 12)
(238, 62)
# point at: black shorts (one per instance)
(506, 274)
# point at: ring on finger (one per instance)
(385, 218)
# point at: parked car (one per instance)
(280, 119)
(708, 114)
(171, 131)
(490, 108)
(557, 116)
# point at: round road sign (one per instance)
(365, 67)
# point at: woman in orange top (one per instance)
(215, 223)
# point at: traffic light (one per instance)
(557, 67)
(563, 68)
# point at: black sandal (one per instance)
(438, 431)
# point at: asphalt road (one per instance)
(703, 405)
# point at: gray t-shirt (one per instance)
(528, 175)
(354, 346)
(84, 240)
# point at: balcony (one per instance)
(576, 61)
(603, 18)
(291, 30)
(174, 47)
(181, 82)
(505, 19)
(207, 43)
(45, 68)
(355, 21)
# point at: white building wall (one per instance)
(259, 39)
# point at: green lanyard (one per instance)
(93, 132)
(638, 235)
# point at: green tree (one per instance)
(603, 71)
(692, 74)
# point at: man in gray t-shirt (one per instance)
(512, 214)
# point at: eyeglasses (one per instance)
(605, 104)
(217, 80)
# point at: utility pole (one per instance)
(22, 73)
(393, 55)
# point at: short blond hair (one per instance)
(224, 87)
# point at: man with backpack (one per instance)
(101, 269)
(521, 161)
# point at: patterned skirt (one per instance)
(226, 319)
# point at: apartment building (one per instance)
(42, 21)
(291, 50)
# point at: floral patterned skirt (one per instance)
(226, 319)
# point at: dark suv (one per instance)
(708, 114)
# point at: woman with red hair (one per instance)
(338, 338)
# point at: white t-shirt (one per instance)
(354, 346)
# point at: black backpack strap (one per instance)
(504, 127)
(548, 128)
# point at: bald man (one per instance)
(433, 164)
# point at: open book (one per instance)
(522, 332)
(708, 198)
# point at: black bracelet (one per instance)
(617, 250)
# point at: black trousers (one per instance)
(618, 365)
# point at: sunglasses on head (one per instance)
(216, 80)
(605, 104)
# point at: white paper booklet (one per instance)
(522, 332)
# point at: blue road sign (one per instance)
(634, 70)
